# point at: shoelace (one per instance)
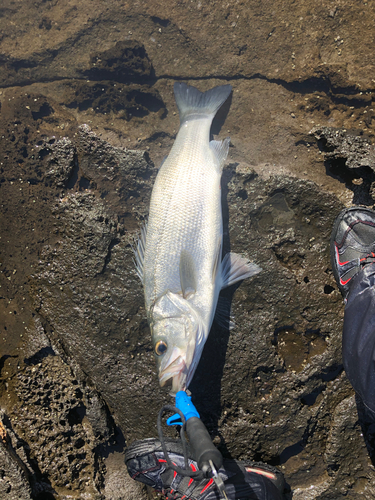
(369, 259)
(347, 266)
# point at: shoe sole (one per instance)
(271, 473)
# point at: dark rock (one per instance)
(14, 483)
(351, 157)
(126, 62)
(92, 273)
(354, 149)
(126, 101)
(285, 351)
(19, 479)
(123, 178)
(51, 406)
(71, 205)
(62, 159)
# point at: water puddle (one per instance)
(276, 212)
(297, 349)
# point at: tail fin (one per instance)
(191, 102)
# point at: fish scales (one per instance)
(185, 212)
(178, 255)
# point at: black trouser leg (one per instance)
(358, 343)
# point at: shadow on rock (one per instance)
(349, 158)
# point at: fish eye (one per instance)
(160, 347)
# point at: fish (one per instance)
(178, 256)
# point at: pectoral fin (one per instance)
(188, 276)
(236, 268)
(223, 314)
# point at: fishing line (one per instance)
(199, 475)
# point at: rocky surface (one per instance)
(87, 114)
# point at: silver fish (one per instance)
(178, 256)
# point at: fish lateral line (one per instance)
(188, 274)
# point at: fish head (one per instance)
(176, 328)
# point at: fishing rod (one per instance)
(205, 453)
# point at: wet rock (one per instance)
(61, 160)
(70, 302)
(285, 351)
(351, 157)
(126, 62)
(126, 101)
(14, 482)
(51, 408)
(123, 177)
(118, 484)
(66, 443)
(19, 478)
(354, 150)
(98, 278)
(337, 454)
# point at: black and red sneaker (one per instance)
(352, 245)
(248, 480)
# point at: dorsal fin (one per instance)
(188, 278)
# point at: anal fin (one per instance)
(220, 150)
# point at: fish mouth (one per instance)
(174, 369)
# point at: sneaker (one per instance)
(248, 480)
(352, 245)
